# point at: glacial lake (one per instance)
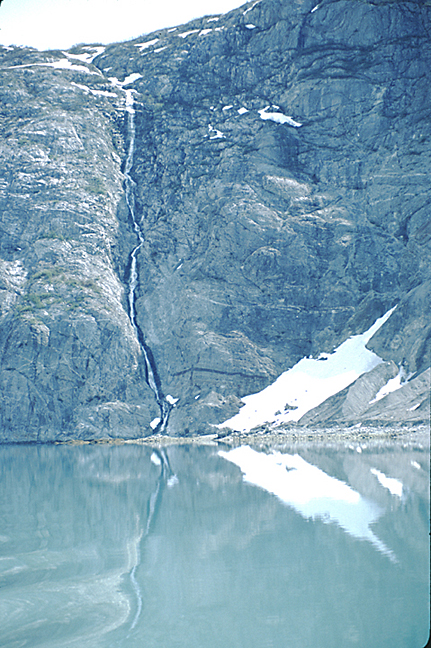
(208, 546)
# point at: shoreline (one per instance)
(407, 434)
(417, 435)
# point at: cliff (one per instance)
(186, 215)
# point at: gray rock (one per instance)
(356, 403)
(264, 241)
(409, 403)
(350, 403)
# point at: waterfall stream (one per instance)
(151, 375)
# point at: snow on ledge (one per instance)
(132, 78)
(392, 385)
(217, 134)
(309, 383)
(65, 64)
(244, 13)
(171, 400)
(61, 64)
(86, 57)
(87, 90)
(188, 33)
(144, 46)
(278, 118)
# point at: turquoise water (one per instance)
(128, 546)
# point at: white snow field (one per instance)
(308, 383)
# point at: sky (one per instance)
(60, 24)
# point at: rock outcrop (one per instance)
(281, 158)
(361, 401)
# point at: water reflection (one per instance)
(129, 546)
(310, 491)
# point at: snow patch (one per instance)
(394, 486)
(204, 32)
(415, 407)
(250, 26)
(86, 57)
(310, 491)
(227, 107)
(171, 400)
(244, 13)
(309, 383)
(392, 385)
(315, 8)
(278, 117)
(132, 78)
(63, 64)
(144, 46)
(213, 19)
(154, 423)
(217, 134)
(185, 34)
(415, 464)
(87, 90)
(98, 49)
(242, 111)
(128, 92)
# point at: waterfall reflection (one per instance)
(159, 458)
(112, 546)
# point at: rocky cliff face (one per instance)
(269, 170)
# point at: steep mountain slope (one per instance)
(270, 170)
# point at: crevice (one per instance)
(220, 372)
(152, 377)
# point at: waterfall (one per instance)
(151, 374)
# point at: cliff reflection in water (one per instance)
(207, 546)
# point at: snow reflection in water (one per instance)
(310, 491)
(131, 546)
